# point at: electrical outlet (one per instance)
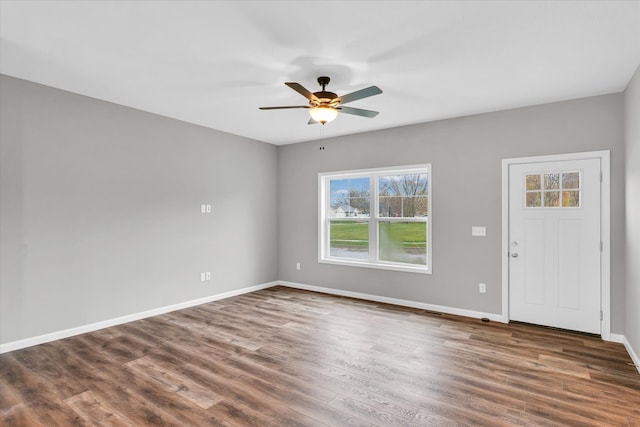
(297, 266)
(208, 275)
(482, 287)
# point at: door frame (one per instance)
(605, 228)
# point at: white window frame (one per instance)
(374, 218)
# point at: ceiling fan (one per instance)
(324, 106)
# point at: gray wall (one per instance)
(100, 205)
(465, 154)
(632, 170)
(100, 211)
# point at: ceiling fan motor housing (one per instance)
(326, 98)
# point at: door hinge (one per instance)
(600, 176)
(601, 246)
(601, 315)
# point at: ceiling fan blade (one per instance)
(285, 107)
(358, 111)
(302, 91)
(359, 94)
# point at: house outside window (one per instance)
(376, 218)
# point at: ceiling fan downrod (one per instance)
(323, 81)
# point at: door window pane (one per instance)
(571, 180)
(533, 182)
(571, 199)
(551, 181)
(534, 199)
(551, 199)
(403, 242)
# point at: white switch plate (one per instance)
(297, 266)
(208, 208)
(482, 287)
(203, 208)
(478, 231)
(203, 277)
(208, 275)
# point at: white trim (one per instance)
(632, 353)
(605, 228)
(378, 265)
(53, 336)
(394, 301)
(620, 339)
(504, 253)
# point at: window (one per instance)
(376, 218)
(552, 190)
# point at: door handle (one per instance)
(514, 254)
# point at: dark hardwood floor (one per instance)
(284, 357)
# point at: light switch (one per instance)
(208, 208)
(478, 231)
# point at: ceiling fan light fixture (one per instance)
(323, 114)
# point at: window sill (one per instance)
(378, 266)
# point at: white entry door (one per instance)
(555, 244)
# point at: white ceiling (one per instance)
(213, 63)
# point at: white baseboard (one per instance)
(41, 339)
(615, 338)
(621, 339)
(396, 301)
(632, 353)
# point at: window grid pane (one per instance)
(403, 196)
(404, 242)
(349, 239)
(349, 197)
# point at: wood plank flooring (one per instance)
(284, 357)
